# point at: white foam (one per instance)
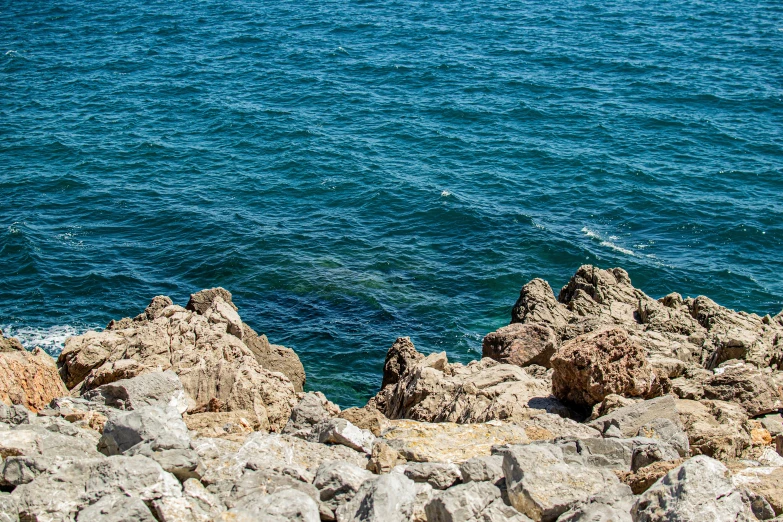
(609, 244)
(51, 339)
(445, 193)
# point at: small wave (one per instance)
(51, 339)
(445, 193)
(609, 244)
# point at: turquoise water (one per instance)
(356, 171)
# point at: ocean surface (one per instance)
(357, 171)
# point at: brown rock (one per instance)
(521, 344)
(10, 344)
(384, 458)
(764, 481)
(593, 366)
(400, 357)
(714, 428)
(641, 480)
(232, 425)
(537, 304)
(29, 379)
(366, 418)
(745, 385)
(275, 357)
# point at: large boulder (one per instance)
(161, 389)
(430, 389)
(386, 498)
(462, 503)
(161, 429)
(313, 408)
(698, 490)
(338, 481)
(204, 347)
(29, 379)
(521, 344)
(747, 386)
(595, 365)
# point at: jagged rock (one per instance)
(611, 403)
(383, 458)
(772, 423)
(338, 482)
(436, 474)
(313, 408)
(254, 484)
(29, 379)
(640, 480)
(537, 304)
(340, 431)
(668, 431)
(366, 418)
(161, 389)
(223, 424)
(275, 357)
(543, 486)
(630, 419)
(745, 385)
(161, 429)
(399, 359)
(60, 495)
(386, 498)
(283, 506)
(595, 365)
(181, 509)
(611, 505)
(758, 505)
(714, 428)
(698, 490)
(461, 503)
(14, 415)
(482, 469)
(521, 345)
(766, 481)
(217, 369)
(183, 463)
(432, 390)
(116, 508)
(10, 344)
(8, 510)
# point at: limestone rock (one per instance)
(161, 389)
(399, 359)
(461, 503)
(274, 357)
(745, 385)
(383, 458)
(366, 418)
(338, 482)
(595, 365)
(611, 505)
(543, 486)
(217, 370)
(60, 495)
(313, 408)
(714, 428)
(521, 344)
(116, 508)
(161, 429)
(630, 419)
(764, 481)
(482, 469)
(698, 490)
(15, 414)
(640, 480)
(773, 423)
(283, 506)
(668, 431)
(386, 498)
(10, 344)
(340, 431)
(8, 510)
(223, 424)
(29, 379)
(436, 474)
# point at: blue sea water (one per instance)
(356, 171)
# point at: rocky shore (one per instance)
(598, 404)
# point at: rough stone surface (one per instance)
(612, 505)
(765, 481)
(8, 510)
(714, 428)
(161, 389)
(745, 385)
(436, 474)
(366, 418)
(338, 482)
(383, 458)
(521, 345)
(313, 408)
(217, 369)
(698, 490)
(482, 469)
(668, 431)
(543, 486)
(14, 415)
(386, 498)
(595, 365)
(641, 480)
(282, 506)
(116, 508)
(29, 379)
(161, 429)
(461, 503)
(10, 344)
(630, 419)
(340, 431)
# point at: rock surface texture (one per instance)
(600, 404)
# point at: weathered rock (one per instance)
(313, 408)
(29, 379)
(461, 503)
(668, 431)
(543, 486)
(116, 508)
(698, 490)
(161, 389)
(611, 505)
(482, 469)
(611, 403)
(764, 481)
(595, 365)
(338, 482)
(366, 418)
(521, 345)
(630, 419)
(340, 431)
(399, 360)
(714, 428)
(10, 344)
(773, 423)
(217, 369)
(640, 480)
(283, 506)
(159, 428)
(60, 495)
(386, 498)
(436, 474)
(383, 458)
(745, 385)
(498, 511)
(255, 484)
(8, 510)
(183, 463)
(181, 509)
(274, 357)
(223, 424)
(14, 415)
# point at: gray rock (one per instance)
(436, 474)
(116, 508)
(461, 503)
(498, 511)
(667, 431)
(604, 453)
(699, 490)
(386, 498)
(15, 414)
(338, 481)
(312, 409)
(183, 463)
(74, 486)
(773, 424)
(612, 505)
(647, 451)
(8, 510)
(340, 431)
(161, 389)
(758, 505)
(161, 429)
(543, 486)
(630, 419)
(288, 505)
(482, 469)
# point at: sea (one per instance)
(358, 170)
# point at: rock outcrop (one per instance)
(29, 379)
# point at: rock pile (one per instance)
(602, 404)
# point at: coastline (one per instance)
(597, 402)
